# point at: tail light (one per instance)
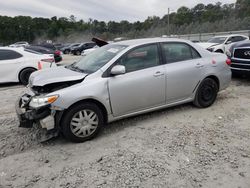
(39, 65)
(228, 62)
(57, 52)
(48, 60)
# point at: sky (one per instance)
(106, 10)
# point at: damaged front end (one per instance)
(35, 108)
(40, 114)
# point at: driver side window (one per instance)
(140, 58)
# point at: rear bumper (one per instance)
(225, 78)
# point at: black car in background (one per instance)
(43, 50)
(77, 50)
(240, 57)
(47, 45)
(67, 49)
(59, 46)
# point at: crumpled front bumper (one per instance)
(28, 116)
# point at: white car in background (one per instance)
(223, 43)
(19, 44)
(16, 64)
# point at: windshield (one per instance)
(98, 58)
(218, 40)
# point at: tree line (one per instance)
(201, 18)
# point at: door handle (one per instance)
(158, 73)
(198, 65)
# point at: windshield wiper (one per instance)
(74, 68)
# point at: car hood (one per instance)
(54, 75)
(207, 44)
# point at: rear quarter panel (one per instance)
(216, 66)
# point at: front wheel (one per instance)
(206, 93)
(82, 122)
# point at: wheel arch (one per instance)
(88, 100)
(215, 78)
(22, 69)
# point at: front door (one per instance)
(142, 86)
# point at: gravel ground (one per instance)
(178, 147)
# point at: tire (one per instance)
(76, 125)
(78, 53)
(206, 93)
(24, 75)
(66, 52)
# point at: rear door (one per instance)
(10, 61)
(184, 70)
(143, 85)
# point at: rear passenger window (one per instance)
(140, 58)
(239, 38)
(9, 55)
(175, 52)
(195, 54)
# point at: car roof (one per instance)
(231, 35)
(12, 48)
(136, 42)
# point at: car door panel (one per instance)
(142, 86)
(182, 79)
(8, 69)
(10, 62)
(183, 70)
(137, 90)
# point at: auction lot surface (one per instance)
(178, 147)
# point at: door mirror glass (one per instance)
(118, 69)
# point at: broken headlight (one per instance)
(40, 101)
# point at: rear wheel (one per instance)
(82, 122)
(25, 75)
(66, 51)
(206, 93)
(78, 53)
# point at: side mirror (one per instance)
(229, 42)
(118, 70)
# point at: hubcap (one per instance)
(84, 123)
(207, 93)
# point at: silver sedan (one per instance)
(120, 80)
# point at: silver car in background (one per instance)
(120, 80)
